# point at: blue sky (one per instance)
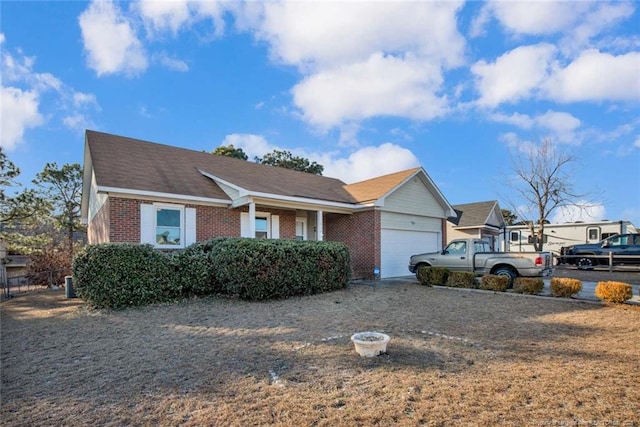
(363, 88)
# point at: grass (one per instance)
(455, 357)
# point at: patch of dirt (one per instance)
(455, 357)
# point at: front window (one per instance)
(168, 226)
(262, 228)
(594, 234)
(515, 236)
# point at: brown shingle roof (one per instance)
(473, 214)
(133, 164)
(374, 188)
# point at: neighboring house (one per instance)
(170, 197)
(481, 220)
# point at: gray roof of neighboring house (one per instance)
(127, 163)
(474, 214)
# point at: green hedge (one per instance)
(259, 269)
(117, 275)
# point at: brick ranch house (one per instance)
(143, 192)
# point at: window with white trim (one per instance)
(167, 226)
(267, 226)
(262, 227)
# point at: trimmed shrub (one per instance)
(491, 282)
(565, 287)
(117, 275)
(462, 279)
(433, 276)
(258, 269)
(617, 292)
(528, 285)
(195, 268)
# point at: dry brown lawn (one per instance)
(456, 357)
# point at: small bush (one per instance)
(564, 287)
(528, 285)
(462, 279)
(492, 282)
(616, 292)
(433, 276)
(117, 275)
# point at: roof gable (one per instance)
(477, 215)
(376, 188)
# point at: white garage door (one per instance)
(398, 245)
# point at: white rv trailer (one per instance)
(517, 238)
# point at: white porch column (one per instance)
(252, 219)
(319, 226)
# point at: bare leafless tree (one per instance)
(544, 183)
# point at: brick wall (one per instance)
(212, 221)
(124, 218)
(98, 227)
(361, 233)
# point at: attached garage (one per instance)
(403, 235)
(398, 245)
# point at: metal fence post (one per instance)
(610, 260)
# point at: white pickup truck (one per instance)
(475, 255)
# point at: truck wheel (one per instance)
(506, 272)
(585, 263)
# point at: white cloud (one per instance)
(172, 63)
(637, 142)
(361, 60)
(19, 111)
(361, 90)
(81, 99)
(514, 75)
(321, 34)
(160, 16)
(523, 121)
(110, 41)
(368, 162)
(597, 76)
(164, 15)
(603, 15)
(24, 104)
(252, 145)
(580, 211)
(78, 122)
(542, 17)
(562, 125)
(364, 163)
